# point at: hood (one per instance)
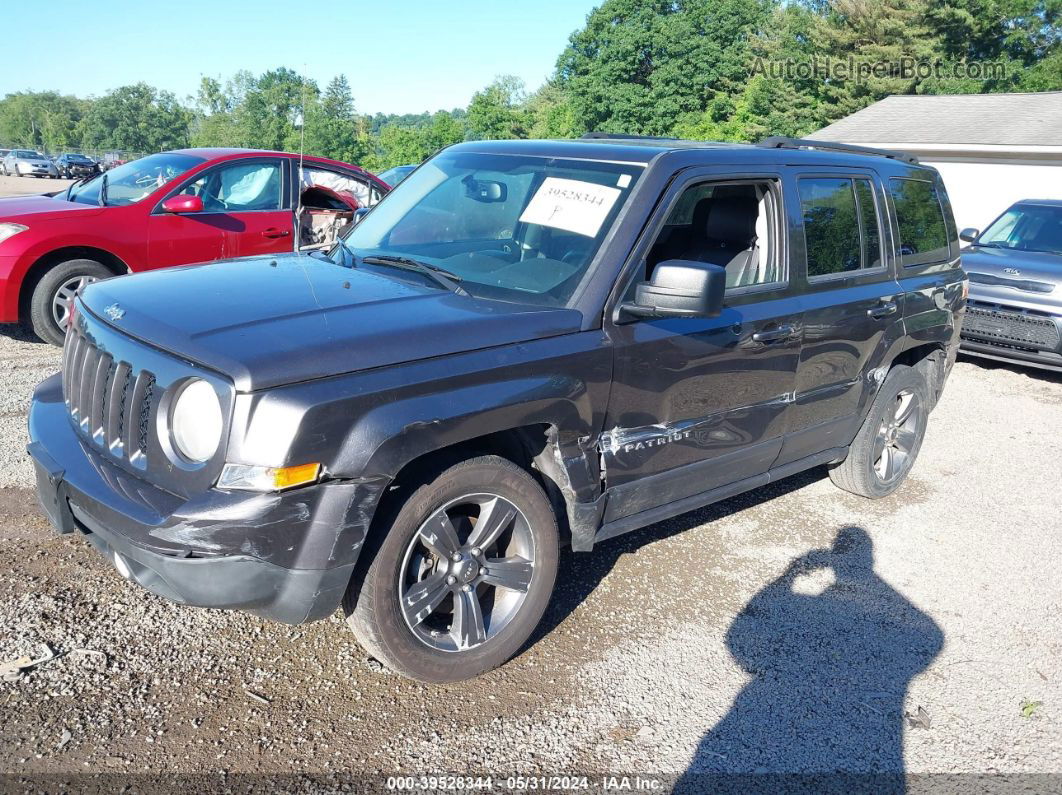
(267, 321)
(17, 208)
(1031, 266)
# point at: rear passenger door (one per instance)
(851, 299)
(927, 258)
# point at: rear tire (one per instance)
(59, 284)
(885, 449)
(460, 574)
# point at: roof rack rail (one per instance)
(625, 136)
(784, 142)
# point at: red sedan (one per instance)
(173, 208)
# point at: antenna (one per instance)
(302, 152)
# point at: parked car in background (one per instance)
(396, 174)
(3, 154)
(27, 163)
(73, 165)
(1015, 266)
(531, 343)
(172, 208)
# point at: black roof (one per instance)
(641, 150)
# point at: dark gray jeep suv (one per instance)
(526, 344)
(1015, 266)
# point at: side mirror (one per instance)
(360, 213)
(969, 234)
(182, 204)
(680, 288)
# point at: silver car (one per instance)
(1014, 312)
(27, 163)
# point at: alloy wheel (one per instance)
(64, 295)
(466, 572)
(897, 437)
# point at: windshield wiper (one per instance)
(441, 276)
(74, 184)
(103, 190)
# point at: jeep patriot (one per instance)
(526, 344)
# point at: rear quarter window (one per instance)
(924, 233)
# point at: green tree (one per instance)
(497, 111)
(639, 66)
(137, 118)
(552, 113)
(44, 120)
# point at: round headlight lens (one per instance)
(196, 421)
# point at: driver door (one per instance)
(246, 212)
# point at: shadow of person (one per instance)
(830, 671)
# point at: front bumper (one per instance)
(1013, 333)
(288, 556)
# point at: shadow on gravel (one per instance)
(19, 332)
(830, 671)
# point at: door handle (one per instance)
(274, 232)
(884, 309)
(774, 334)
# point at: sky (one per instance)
(406, 56)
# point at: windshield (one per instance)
(1027, 227)
(511, 227)
(133, 181)
(26, 153)
(395, 175)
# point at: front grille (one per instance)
(1004, 327)
(109, 402)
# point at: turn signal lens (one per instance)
(255, 478)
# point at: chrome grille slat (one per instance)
(119, 391)
(99, 396)
(85, 381)
(108, 400)
(135, 409)
(73, 384)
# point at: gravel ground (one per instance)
(20, 186)
(793, 628)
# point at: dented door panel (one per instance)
(699, 392)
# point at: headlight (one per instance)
(196, 421)
(7, 230)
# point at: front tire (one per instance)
(885, 449)
(49, 304)
(461, 575)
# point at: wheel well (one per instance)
(527, 446)
(930, 359)
(52, 258)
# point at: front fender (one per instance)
(370, 425)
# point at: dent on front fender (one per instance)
(314, 527)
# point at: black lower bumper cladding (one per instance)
(287, 557)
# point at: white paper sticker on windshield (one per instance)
(570, 204)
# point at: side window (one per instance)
(920, 217)
(868, 224)
(731, 224)
(841, 229)
(238, 187)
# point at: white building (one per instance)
(991, 149)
